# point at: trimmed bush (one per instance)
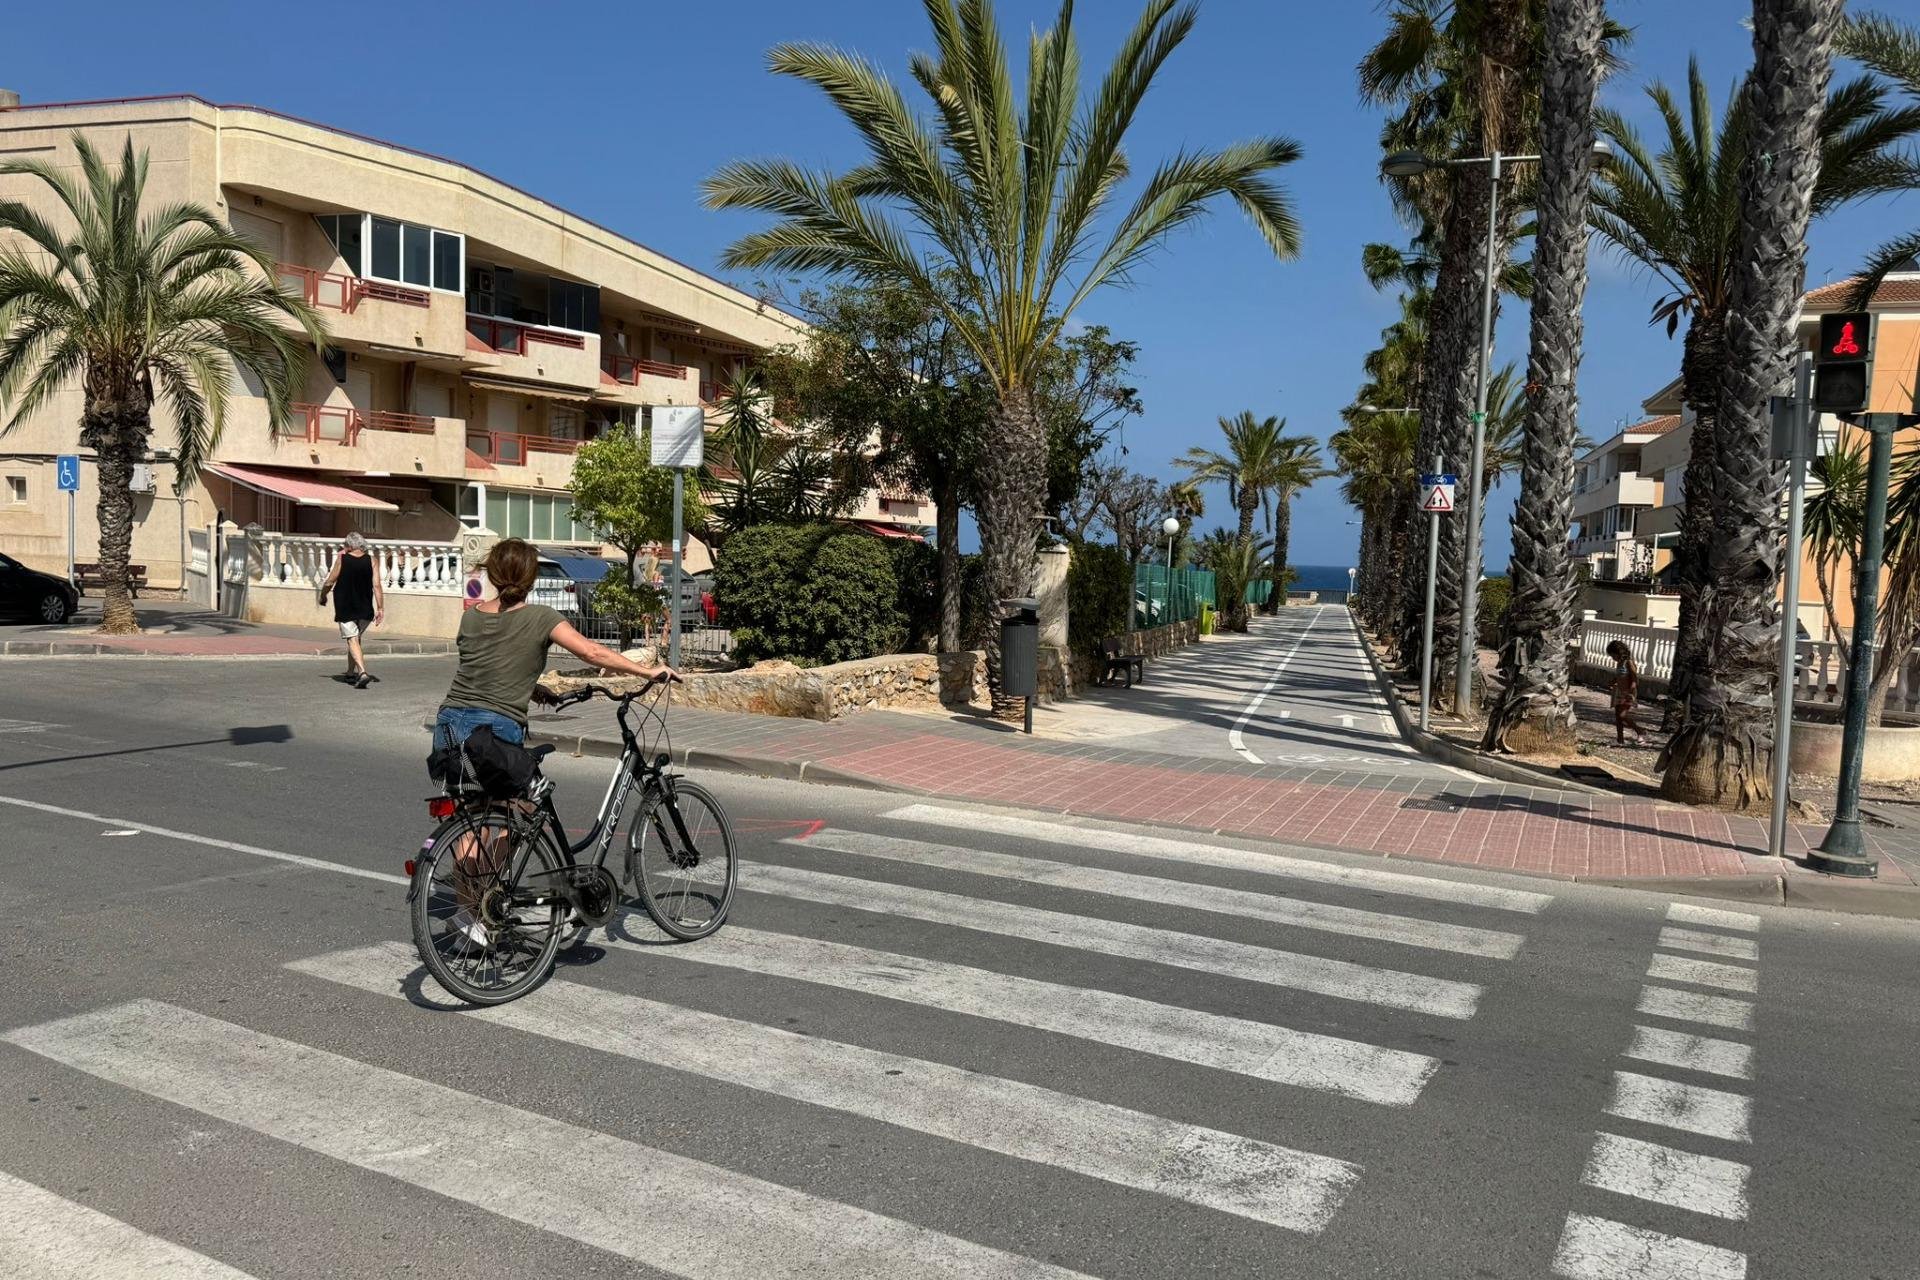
(916, 567)
(809, 594)
(1099, 596)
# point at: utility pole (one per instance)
(1434, 509)
(1793, 439)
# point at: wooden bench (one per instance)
(1132, 665)
(91, 576)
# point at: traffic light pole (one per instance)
(1800, 446)
(1843, 852)
(1426, 619)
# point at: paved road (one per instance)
(934, 1040)
(1296, 690)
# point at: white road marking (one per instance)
(1341, 979)
(254, 764)
(515, 1163)
(1212, 855)
(298, 860)
(48, 1237)
(1688, 913)
(121, 832)
(1712, 944)
(25, 726)
(1296, 1190)
(1285, 714)
(1690, 1107)
(1234, 735)
(1346, 722)
(1664, 1175)
(1688, 1006)
(1347, 921)
(1691, 1052)
(1705, 973)
(1265, 1051)
(1600, 1249)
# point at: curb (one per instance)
(1765, 889)
(83, 649)
(1435, 747)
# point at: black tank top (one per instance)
(353, 593)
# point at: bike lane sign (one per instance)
(1436, 493)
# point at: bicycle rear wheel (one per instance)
(680, 858)
(473, 924)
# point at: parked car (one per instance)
(556, 588)
(29, 594)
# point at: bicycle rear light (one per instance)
(440, 807)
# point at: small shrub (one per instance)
(628, 604)
(809, 594)
(916, 567)
(1099, 596)
(1490, 617)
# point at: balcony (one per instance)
(536, 353)
(548, 458)
(344, 437)
(1626, 489)
(626, 380)
(376, 313)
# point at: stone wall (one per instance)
(818, 693)
(963, 678)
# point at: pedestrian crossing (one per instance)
(1425, 963)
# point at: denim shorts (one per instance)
(453, 725)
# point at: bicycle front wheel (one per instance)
(486, 920)
(680, 858)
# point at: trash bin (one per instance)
(1020, 648)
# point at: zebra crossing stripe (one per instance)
(1600, 1249)
(1340, 979)
(1690, 1006)
(1304, 1059)
(49, 1237)
(1348, 921)
(514, 1163)
(1712, 944)
(1691, 1052)
(1663, 1175)
(1433, 888)
(1276, 1185)
(1704, 973)
(1690, 1107)
(1688, 913)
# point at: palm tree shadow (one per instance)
(1571, 811)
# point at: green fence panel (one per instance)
(1160, 597)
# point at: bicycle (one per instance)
(497, 892)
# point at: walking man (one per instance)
(358, 603)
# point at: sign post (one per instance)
(1436, 499)
(679, 440)
(67, 471)
(1793, 440)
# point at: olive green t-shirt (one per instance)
(501, 657)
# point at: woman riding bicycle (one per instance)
(503, 645)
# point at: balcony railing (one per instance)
(627, 369)
(342, 424)
(426, 568)
(710, 391)
(512, 448)
(337, 291)
(512, 339)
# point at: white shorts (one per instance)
(348, 630)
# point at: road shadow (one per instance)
(239, 736)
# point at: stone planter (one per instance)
(1893, 751)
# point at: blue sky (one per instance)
(616, 111)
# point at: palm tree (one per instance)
(1376, 457)
(1534, 707)
(1235, 562)
(1892, 51)
(1012, 201)
(1299, 465)
(137, 308)
(1719, 755)
(1677, 214)
(1248, 467)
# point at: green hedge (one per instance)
(1490, 615)
(810, 594)
(1099, 596)
(916, 567)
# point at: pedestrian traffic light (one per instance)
(1843, 362)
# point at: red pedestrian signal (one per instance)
(1843, 362)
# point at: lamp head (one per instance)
(1170, 526)
(1405, 164)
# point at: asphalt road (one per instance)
(934, 1039)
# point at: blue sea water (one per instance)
(1320, 577)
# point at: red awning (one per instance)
(299, 490)
(879, 530)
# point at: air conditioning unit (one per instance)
(142, 481)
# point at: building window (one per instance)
(470, 503)
(346, 232)
(403, 252)
(16, 489)
(573, 306)
(565, 422)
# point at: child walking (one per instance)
(1626, 692)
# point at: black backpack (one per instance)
(501, 769)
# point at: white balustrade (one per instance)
(428, 568)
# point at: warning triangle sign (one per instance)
(1438, 497)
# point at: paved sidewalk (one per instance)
(175, 629)
(1542, 830)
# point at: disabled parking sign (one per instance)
(67, 471)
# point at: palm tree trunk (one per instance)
(116, 430)
(1702, 360)
(1249, 503)
(1282, 535)
(1535, 711)
(1720, 754)
(947, 535)
(1013, 483)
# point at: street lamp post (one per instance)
(1407, 164)
(1171, 527)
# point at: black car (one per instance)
(28, 593)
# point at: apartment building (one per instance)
(1612, 496)
(479, 335)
